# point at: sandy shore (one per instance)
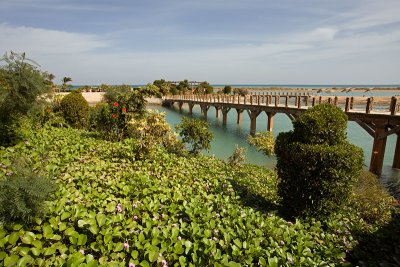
(95, 97)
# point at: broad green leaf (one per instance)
(13, 238)
(11, 260)
(101, 219)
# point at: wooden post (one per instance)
(204, 109)
(253, 120)
(320, 100)
(251, 99)
(258, 100)
(191, 108)
(351, 102)
(347, 107)
(313, 101)
(335, 101)
(298, 99)
(217, 108)
(276, 100)
(225, 111)
(270, 123)
(239, 116)
(378, 151)
(393, 102)
(286, 100)
(396, 158)
(329, 100)
(369, 106)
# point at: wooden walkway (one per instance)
(378, 116)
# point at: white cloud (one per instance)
(43, 41)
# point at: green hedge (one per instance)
(316, 166)
(75, 109)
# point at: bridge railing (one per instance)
(384, 105)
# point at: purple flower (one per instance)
(179, 238)
(126, 245)
(9, 173)
(289, 259)
(135, 217)
(131, 265)
(174, 224)
(217, 215)
(282, 243)
(164, 262)
(119, 209)
(82, 251)
(290, 223)
(214, 238)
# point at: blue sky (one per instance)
(223, 42)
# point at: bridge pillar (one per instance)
(378, 151)
(204, 109)
(239, 115)
(191, 108)
(253, 114)
(396, 158)
(180, 104)
(217, 109)
(225, 111)
(270, 123)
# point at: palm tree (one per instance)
(66, 80)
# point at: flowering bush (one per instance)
(151, 132)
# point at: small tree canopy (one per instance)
(196, 133)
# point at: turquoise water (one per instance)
(227, 136)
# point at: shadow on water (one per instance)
(381, 248)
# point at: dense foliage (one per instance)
(204, 88)
(75, 109)
(263, 142)
(195, 133)
(317, 167)
(238, 156)
(23, 194)
(21, 84)
(227, 89)
(151, 132)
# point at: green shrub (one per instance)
(21, 85)
(151, 132)
(227, 89)
(323, 124)
(263, 142)
(23, 195)
(316, 167)
(75, 109)
(195, 133)
(238, 156)
(374, 204)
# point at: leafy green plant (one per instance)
(238, 156)
(23, 194)
(195, 133)
(316, 166)
(204, 88)
(263, 142)
(75, 109)
(227, 89)
(21, 85)
(372, 201)
(151, 132)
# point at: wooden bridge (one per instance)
(376, 115)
